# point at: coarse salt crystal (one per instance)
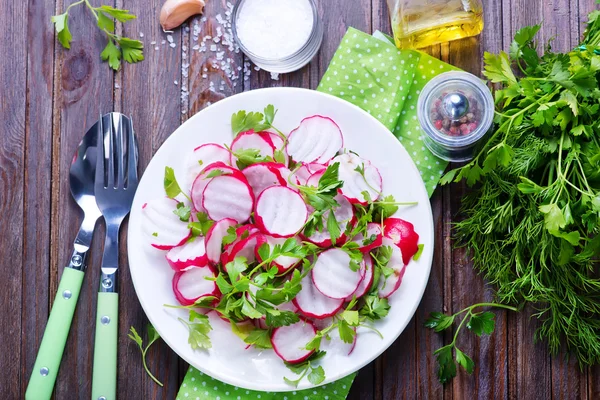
(170, 38)
(153, 42)
(275, 76)
(156, 48)
(141, 34)
(163, 42)
(213, 47)
(172, 45)
(175, 82)
(274, 29)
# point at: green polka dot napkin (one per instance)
(370, 72)
(199, 386)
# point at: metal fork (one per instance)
(115, 185)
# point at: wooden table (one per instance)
(51, 96)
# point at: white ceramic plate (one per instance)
(228, 360)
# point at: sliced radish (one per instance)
(289, 342)
(205, 176)
(263, 175)
(191, 253)
(316, 139)
(367, 281)
(283, 263)
(333, 276)
(251, 140)
(228, 196)
(246, 247)
(335, 344)
(387, 286)
(354, 182)
(191, 284)
(373, 239)
(202, 157)
(214, 239)
(161, 226)
(284, 172)
(306, 170)
(344, 215)
(403, 235)
(279, 144)
(313, 180)
(280, 211)
(313, 304)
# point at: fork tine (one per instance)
(100, 153)
(110, 183)
(120, 154)
(132, 156)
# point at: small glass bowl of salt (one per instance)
(278, 35)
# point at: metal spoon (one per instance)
(81, 176)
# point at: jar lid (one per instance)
(455, 109)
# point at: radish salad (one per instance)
(288, 236)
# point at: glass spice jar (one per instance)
(455, 110)
(421, 23)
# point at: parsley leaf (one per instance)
(198, 327)
(333, 228)
(172, 188)
(111, 54)
(374, 308)
(183, 212)
(259, 338)
(61, 24)
(482, 323)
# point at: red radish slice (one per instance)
(354, 183)
(205, 176)
(289, 342)
(279, 144)
(316, 139)
(333, 276)
(283, 263)
(344, 215)
(263, 175)
(403, 235)
(251, 140)
(373, 239)
(280, 211)
(163, 228)
(313, 304)
(191, 253)
(246, 248)
(201, 158)
(387, 286)
(306, 170)
(367, 281)
(191, 284)
(335, 344)
(214, 239)
(284, 172)
(313, 180)
(228, 196)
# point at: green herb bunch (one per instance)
(532, 219)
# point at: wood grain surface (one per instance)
(49, 97)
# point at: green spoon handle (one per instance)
(104, 375)
(53, 343)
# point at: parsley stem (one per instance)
(74, 4)
(496, 305)
(146, 366)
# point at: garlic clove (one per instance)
(174, 12)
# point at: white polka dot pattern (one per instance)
(386, 83)
(197, 385)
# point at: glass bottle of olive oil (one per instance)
(422, 23)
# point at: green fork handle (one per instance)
(104, 375)
(48, 359)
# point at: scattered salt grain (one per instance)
(156, 48)
(274, 76)
(170, 38)
(175, 82)
(141, 34)
(213, 47)
(163, 42)
(172, 45)
(117, 86)
(153, 42)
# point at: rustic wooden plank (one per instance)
(83, 90)
(529, 370)
(149, 94)
(37, 178)
(13, 112)
(206, 74)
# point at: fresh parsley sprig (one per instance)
(316, 374)
(118, 47)
(198, 326)
(479, 323)
(153, 336)
(243, 121)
